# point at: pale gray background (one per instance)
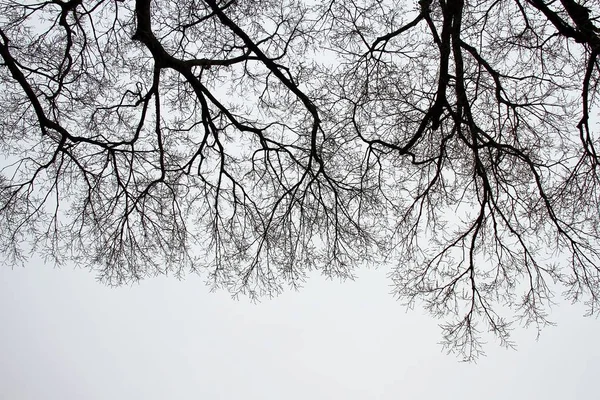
(65, 336)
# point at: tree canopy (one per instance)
(451, 142)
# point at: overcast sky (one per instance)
(65, 336)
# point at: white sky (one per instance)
(65, 336)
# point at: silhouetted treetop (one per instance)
(451, 142)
